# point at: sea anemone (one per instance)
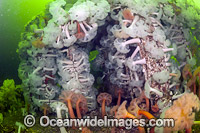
(104, 99)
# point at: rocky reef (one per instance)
(145, 56)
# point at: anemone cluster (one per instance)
(139, 43)
(139, 47)
(53, 58)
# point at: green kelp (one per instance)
(11, 105)
(10, 97)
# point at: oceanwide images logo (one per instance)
(45, 121)
(93, 122)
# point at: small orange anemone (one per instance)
(66, 97)
(127, 14)
(104, 99)
(79, 33)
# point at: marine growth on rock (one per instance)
(137, 44)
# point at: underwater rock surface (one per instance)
(143, 51)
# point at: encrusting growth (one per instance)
(182, 111)
(140, 47)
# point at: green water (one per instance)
(14, 14)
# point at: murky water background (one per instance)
(14, 14)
